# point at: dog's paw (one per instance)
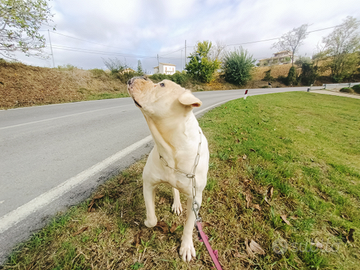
(150, 223)
(187, 251)
(176, 207)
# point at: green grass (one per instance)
(304, 145)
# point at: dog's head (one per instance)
(161, 100)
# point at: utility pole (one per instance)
(52, 54)
(185, 53)
(158, 60)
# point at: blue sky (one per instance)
(89, 30)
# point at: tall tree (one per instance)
(200, 66)
(342, 47)
(139, 68)
(292, 40)
(20, 21)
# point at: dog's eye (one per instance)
(162, 84)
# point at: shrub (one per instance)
(178, 77)
(346, 90)
(268, 77)
(356, 88)
(291, 77)
(308, 73)
(237, 66)
(125, 76)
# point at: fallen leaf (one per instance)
(248, 200)
(237, 141)
(270, 192)
(244, 157)
(121, 181)
(163, 226)
(241, 256)
(206, 224)
(266, 200)
(162, 200)
(173, 228)
(252, 150)
(93, 201)
(256, 206)
(350, 236)
(247, 181)
(80, 231)
(248, 249)
(98, 197)
(137, 239)
(283, 217)
(255, 247)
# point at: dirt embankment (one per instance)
(22, 85)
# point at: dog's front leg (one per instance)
(176, 207)
(149, 197)
(187, 250)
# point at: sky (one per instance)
(91, 31)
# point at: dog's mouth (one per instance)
(137, 103)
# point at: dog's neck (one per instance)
(169, 135)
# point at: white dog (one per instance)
(180, 150)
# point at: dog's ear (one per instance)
(188, 99)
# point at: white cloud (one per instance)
(138, 28)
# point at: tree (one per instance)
(292, 40)
(139, 69)
(341, 48)
(200, 66)
(20, 21)
(237, 66)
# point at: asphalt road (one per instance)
(54, 156)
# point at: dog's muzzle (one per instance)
(130, 84)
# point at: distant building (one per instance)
(165, 69)
(279, 58)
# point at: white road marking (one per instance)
(19, 214)
(2, 202)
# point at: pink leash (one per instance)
(203, 238)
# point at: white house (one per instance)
(165, 69)
(283, 57)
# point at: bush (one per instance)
(237, 66)
(268, 77)
(356, 88)
(346, 90)
(308, 73)
(125, 76)
(178, 77)
(291, 78)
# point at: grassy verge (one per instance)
(284, 172)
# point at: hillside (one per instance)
(22, 85)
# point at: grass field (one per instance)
(284, 172)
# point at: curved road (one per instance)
(54, 156)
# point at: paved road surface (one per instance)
(54, 156)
